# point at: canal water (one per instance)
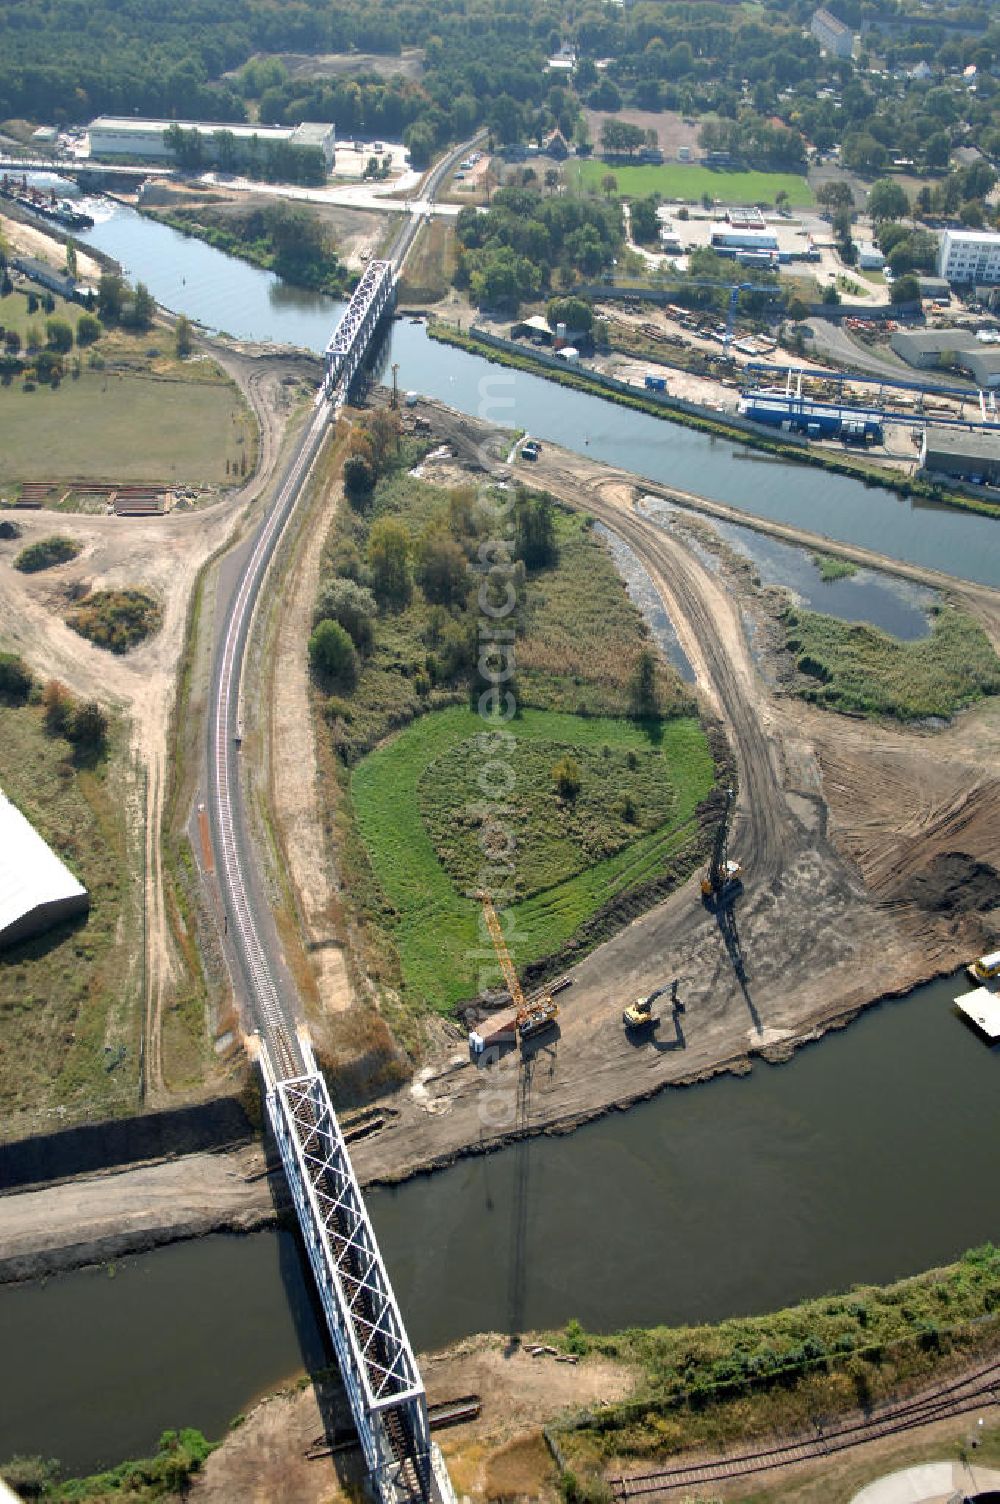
(189, 277)
(870, 1155)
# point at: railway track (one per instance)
(949, 1398)
(231, 841)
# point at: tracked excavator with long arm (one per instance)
(724, 877)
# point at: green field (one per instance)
(623, 794)
(677, 180)
(435, 928)
(107, 425)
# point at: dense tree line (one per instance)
(515, 250)
(267, 161)
(282, 237)
(757, 71)
(68, 60)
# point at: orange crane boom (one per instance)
(503, 954)
(530, 1017)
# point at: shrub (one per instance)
(32, 1477)
(183, 339)
(350, 604)
(15, 679)
(331, 653)
(576, 1338)
(46, 553)
(88, 727)
(57, 703)
(442, 570)
(9, 530)
(359, 479)
(389, 560)
(566, 777)
(88, 329)
(116, 619)
(576, 1490)
(49, 366)
(59, 334)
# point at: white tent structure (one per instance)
(36, 889)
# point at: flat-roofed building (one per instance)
(963, 455)
(744, 240)
(870, 258)
(924, 348)
(969, 256)
(120, 136)
(982, 364)
(832, 34)
(36, 889)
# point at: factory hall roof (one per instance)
(956, 442)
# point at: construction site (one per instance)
(824, 856)
(867, 855)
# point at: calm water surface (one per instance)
(896, 606)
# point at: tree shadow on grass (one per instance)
(651, 728)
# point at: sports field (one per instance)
(680, 181)
(434, 925)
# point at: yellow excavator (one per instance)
(724, 877)
(639, 1015)
(531, 1015)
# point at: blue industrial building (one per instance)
(818, 420)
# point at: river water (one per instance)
(187, 276)
(872, 1155)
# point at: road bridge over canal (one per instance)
(84, 169)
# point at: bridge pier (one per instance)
(377, 1365)
(344, 355)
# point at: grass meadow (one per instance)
(434, 926)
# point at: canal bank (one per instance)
(788, 447)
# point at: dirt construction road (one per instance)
(860, 847)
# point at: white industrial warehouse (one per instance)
(36, 889)
(114, 136)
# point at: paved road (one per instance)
(834, 343)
